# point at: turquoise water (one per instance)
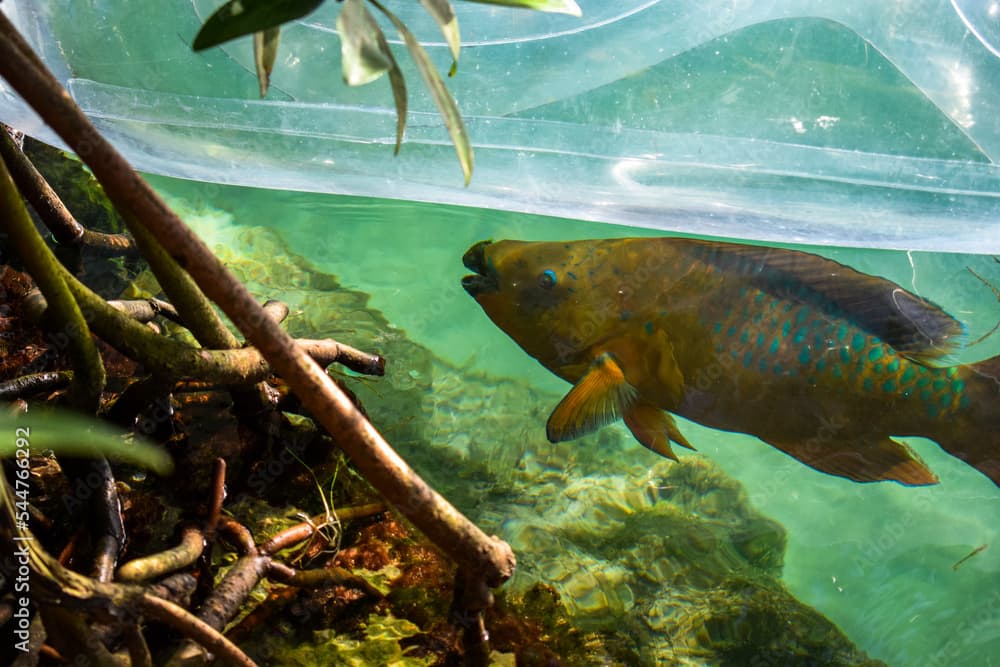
(875, 559)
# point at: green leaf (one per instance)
(445, 16)
(365, 55)
(244, 17)
(443, 99)
(398, 92)
(362, 57)
(69, 434)
(555, 6)
(265, 52)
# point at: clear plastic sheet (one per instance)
(584, 118)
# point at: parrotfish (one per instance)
(823, 362)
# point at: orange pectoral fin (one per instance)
(655, 429)
(598, 399)
(864, 461)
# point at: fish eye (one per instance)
(547, 279)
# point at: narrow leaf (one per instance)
(445, 16)
(362, 57)
(244, 17)
(265, 52)
(443, 99)
(71, 435)
(555, 6)
(398, 83)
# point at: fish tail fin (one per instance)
(973, 435)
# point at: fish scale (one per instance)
(770, 335)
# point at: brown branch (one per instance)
(321, 577)
(169, 358)
(218, 496)
(295, 534)
(465, 543)
(145, 310)
(276, 310)
(138, 650)
(50, 208)
(223, 603)
(204, 634)
(156, 565)
(238, 535)
(110, 526)
(36, 383)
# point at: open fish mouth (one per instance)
(485, 279)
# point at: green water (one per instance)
(876, 559)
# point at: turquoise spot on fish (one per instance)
(958, 386)
(932, 410)
(731, 331)
(963, 401)
(952, 371)
(821, 363)
(717, 328)
(785, 328)
(845, 354)
(778, 369)
(945, 400)
(760, 340)
(775, 344)
(940, 384)
(759, 297)
(889, 386)
(800, 336)
(907, 376)
(867, 384)
(549, 278)
(858, 341)
(842, 332)
(801, 316)
(837, 372)
(876, 368)
(757, 318)
(893, 365)
(745, 336)
(649, 327)
(747, 358)
(875, 353)
(762, 364)
(924, 378)
(805, 355)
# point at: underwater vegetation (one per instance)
(816, 359)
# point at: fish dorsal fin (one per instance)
(596, 400)
(912, 325)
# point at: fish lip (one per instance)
(485, 279)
